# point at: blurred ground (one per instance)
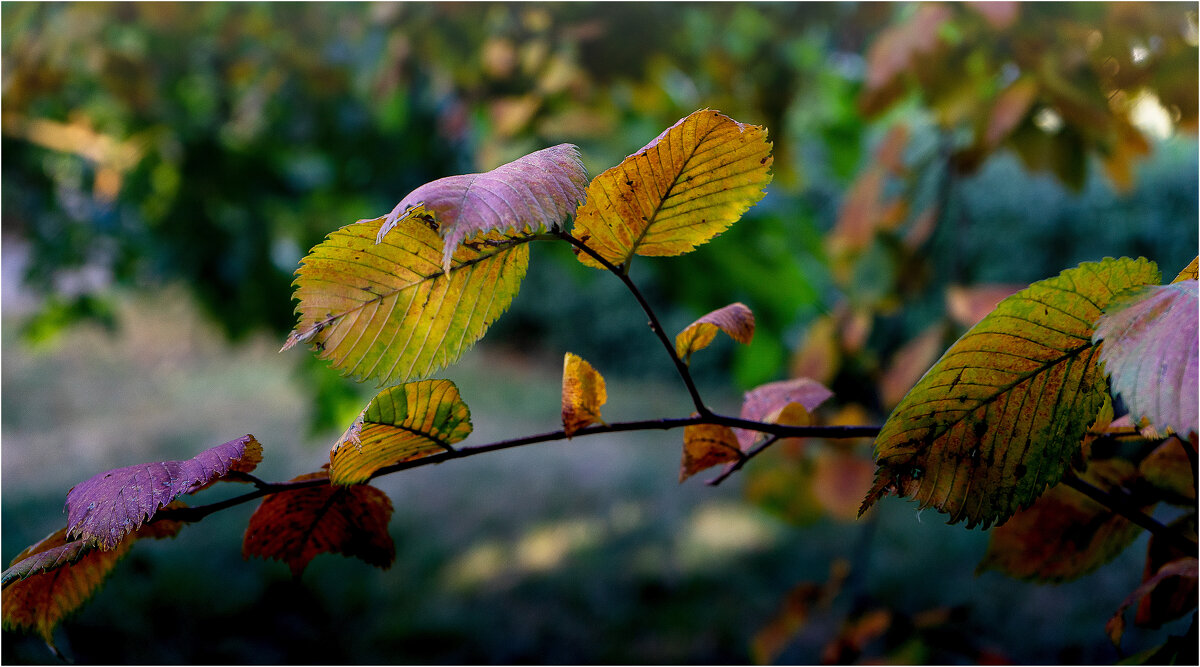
(585, 551)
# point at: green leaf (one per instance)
(1150, 354)
(679, 191)
(401, 423)
(389, 311)
(535, 192)
(1000, 415)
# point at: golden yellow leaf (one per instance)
(679, 191)
(1189, 272)
(583, 393)
(707, 445)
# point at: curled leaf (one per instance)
(1001, 414)
(401, 423)
(295, 526)
(390, 311)
(1064, 534)
(707, 445)
(534, 192)
(679, 191)
(1150, 353)
(734, 319)
(1184, 568)
(51, 579)
(583, 393)
(770, 402)
(110, 505)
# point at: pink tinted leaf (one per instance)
(1150, 353)
(760, 402)
(539, 190)
(735, 319)
(110, 505)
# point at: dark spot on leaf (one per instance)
(980, 428)
(1020, 470)
(763, 161)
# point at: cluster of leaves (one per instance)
(1003, 416)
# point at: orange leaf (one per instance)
(968, 305)
(840, 480)
(707, 445)
(1189, 272)
(818, 356)
(734, 319)
(295, 526)
(909, 363)
(1184, 568)
(1011, 107)
(583, 393)
(71, 572)
(1064, 534)
(1165, 604)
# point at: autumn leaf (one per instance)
(1184, 568)
(707, 445)
(535, 192)
(1064, 534)
(679, 191)
(968, 305)
(295, 526)
(1189, 272)
(1000, 415)
(770, 403)
(1163, 603)
(110, 505)
(839, 480)
(51, 579)
(389, 311)
(734, 319)
(795, 612)
(909, 363)
(1167, 468)
(1011, 107)
(583, 393)
(898, 49)
(1150, 353)
(401, 423)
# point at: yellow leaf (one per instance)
(707, 445)
(1001, 414)
(1188, 272)
(583, 393)
(400, 424)
(679, 191)
(734, 319)
(389, 311)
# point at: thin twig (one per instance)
(1122, 505)
(654, 324)
(737, 465)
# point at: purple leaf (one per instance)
(110, 505)
(538, 190)
(1150, 352)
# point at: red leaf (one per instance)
(1184, 568)
(1163, 604)
(110, 505)
(295, 526)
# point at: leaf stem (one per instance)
(654, 324)
(742, 459)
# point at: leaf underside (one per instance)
(735, 319)
(537, 191)
(679, 191)
(401, 423)
(295, 526)
(110, 505)
(388, 311)
(1000, 415)
(1150, 354)
(583, 394)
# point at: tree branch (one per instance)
(1121, 505)
(654, 324)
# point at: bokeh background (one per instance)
(165, 167)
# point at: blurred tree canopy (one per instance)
(213, 144)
